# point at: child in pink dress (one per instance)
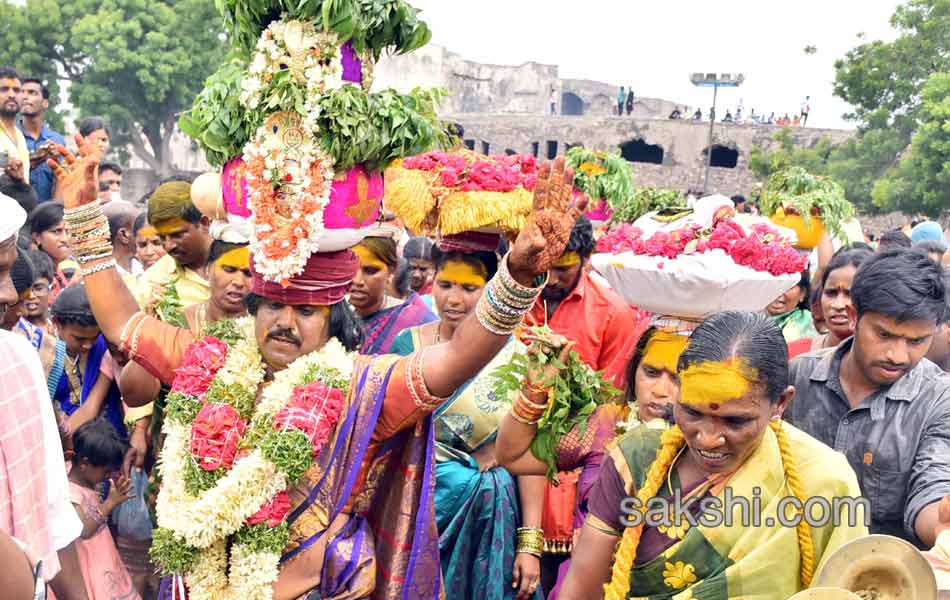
(98, 452)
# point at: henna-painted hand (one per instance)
(544, 237)
(77, 179)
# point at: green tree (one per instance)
(884, 81)
(921, 179)
(764, 162)
(139, 63)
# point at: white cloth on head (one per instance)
(12, 217)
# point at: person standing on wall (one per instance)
(630, 100)
(621, 98)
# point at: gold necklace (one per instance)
(74, 379)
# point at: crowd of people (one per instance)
(838, 388)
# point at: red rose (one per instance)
(313, 409)
(272, 512)
(203, 359)
(215, 435)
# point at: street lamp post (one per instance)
(715, 82)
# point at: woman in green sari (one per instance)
(480, 508)
(790, 311)
(729, 442)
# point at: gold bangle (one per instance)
(522, 420)
(523, 399)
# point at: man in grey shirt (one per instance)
(879, 401)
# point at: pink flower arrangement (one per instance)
(215, 434)
(494, 174)
(313, 409)
(273, 512)
(761, 249)
(201, 362)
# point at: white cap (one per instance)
(12, 217)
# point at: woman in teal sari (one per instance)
(478, 512)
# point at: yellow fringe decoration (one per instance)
(419, 200)
(670, 444)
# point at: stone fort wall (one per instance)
(665, 153)
(506, 109)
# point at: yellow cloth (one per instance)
(765, 558)
(16, 148)
(762, 563)
(192, 287)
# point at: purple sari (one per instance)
(376, 523)
(382, 327)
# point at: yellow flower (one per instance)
(675, 531)
(679, 574)
(591, 169)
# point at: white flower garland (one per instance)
(207, 520)
(290, 151)
(313, 59)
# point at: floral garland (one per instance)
(228, 460)
(293, 65)
(761, 248)
(289, 180)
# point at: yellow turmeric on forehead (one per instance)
(663, 350)
(716, 382)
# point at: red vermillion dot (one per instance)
(714, 406)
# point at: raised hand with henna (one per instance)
(545, 235)
(77, 178)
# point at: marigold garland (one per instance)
(256, 452)
(289, 180)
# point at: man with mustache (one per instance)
(185, 234)
(363, 517)
(879, 401)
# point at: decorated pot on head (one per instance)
(703, 262)
(807, 204)
(446, 193)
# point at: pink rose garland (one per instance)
(215, 434)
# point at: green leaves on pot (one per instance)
(217, 120)
(798, 189)
(601, 175)
(644, 200)
(375, 129)
(373, 25)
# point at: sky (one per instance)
(654, 46)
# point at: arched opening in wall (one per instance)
(642, 152)
(485, 147)
(470, 144)
(509, 152)
(552, 150)
(723, 156)
(571, 104)
(535, 148)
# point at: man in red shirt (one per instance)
(604, 329)
(580, 308)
